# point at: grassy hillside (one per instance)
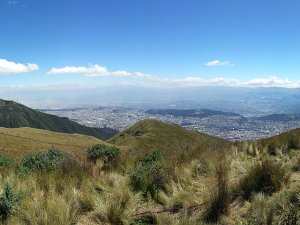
(171, 139)
(13, 115)
(246, 184)
(16, 142)
(278, 144)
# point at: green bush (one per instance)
(6, 162)
(41, 161)
(293, 142)
(109, 154)
(151, 175)
(266, 177)
(9, 200)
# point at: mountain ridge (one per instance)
(15, 115)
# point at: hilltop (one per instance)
(16, 142)
(14, 115)
(171, 139)
(143, 137)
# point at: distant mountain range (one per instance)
(200, 113)
(14, 115)
(280, 117)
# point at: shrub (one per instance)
(109, 154)
(6, 162)
(9, 201)
(266, 177)
(41, 161)
(296, 166)
(272, 149)
(293, 142)
(151, 175)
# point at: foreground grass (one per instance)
(235, 185)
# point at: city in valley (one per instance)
(226, 125)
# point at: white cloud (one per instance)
(195, 81)
(92, 70)
(273, 82)
(8, 67)
(139, 74)
(121, 73)
(95, 70)
(217, 62)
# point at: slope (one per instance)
(16, 142)
(284, 141)
(13, 115)
(173, 140)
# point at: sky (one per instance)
(155, 43)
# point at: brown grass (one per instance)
(16, 142)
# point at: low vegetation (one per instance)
(220, 183)
(109, 155)
(151, 174)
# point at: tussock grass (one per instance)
(220, 197)
(266, 177)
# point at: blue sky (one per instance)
(149, 42)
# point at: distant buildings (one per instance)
(228, 127)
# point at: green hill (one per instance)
(171, 139)
(14, 115)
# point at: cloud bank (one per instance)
(189, 81)
(192, 81)
(8, 67)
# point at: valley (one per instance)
(230, 126)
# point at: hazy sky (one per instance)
(166, 43)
